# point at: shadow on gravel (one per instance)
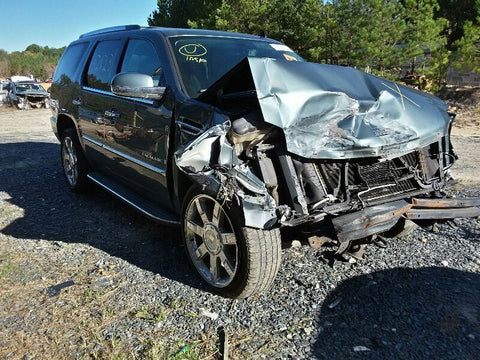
(31, 177)
(427, 313)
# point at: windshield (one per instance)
(203, 60)
(25, 87)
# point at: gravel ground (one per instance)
(84, 276)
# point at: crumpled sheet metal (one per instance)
(212, 150)
(336, 112)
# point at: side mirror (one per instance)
(136, 85)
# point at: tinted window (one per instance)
(140, 57)
(69, 62)
(104, 64)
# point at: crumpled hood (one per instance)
(336, 112)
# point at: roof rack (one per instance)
(110, 29)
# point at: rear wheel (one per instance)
(234, 260)
(74, 163)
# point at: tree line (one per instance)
(390, 38)
(35, 60)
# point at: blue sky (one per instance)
(56, 23)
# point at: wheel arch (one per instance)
(64, 122)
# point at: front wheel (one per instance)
(234, 260)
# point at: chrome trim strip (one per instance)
(189, 132)
(89, 139)
(125, 156)
(188, 127)
(109, 93)
(132, 159)
(135, 206)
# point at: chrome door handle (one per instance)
(77, 101)
(111, 114)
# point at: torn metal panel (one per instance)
(197, 156)
(210, 161)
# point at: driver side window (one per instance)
(141, 57)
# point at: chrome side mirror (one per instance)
(136, 85)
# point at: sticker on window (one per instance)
(281, 47)
(289, 57)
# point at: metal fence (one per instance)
(459, 78)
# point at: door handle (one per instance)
(77, 101)
(111, 114)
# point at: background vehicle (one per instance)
(25, 94)
(234, 137)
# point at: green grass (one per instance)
(6, 266)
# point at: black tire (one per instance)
(246, 260)
(402, 228)
(74, 163)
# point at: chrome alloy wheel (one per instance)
(210, 240)
(69, 160)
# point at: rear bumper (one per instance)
(380, 218)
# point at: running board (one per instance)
(146, 207)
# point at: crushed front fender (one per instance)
(210, 161)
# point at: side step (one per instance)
(146, 207)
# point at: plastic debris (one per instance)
(211, 315)
(335, 303)
(359, 348)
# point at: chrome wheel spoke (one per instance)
(73, 159)
(229, 268)
(229, 239)
(195, 228)
(201, 251)
(201, 211)
(216, 214)
(68, 145)
(214, 268)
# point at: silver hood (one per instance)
(335, 112)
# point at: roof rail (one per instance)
(110, 29)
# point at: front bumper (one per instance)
(380, 218)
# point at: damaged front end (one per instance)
(325, 147)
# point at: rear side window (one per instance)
(104, 64)
(69, 62)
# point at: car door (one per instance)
(137, 130)
(95, 99)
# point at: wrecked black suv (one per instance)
(235, 137)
